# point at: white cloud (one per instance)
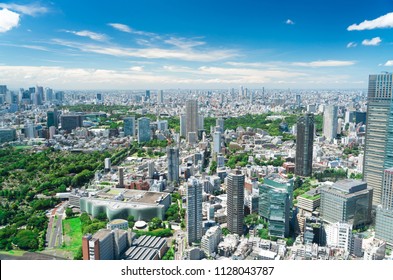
(92, 35)
(290, 22)
(32, 47)
(351, 45)
(136, 68)
(183, 43)
(389, 63)
(31, 9)
(151, 52)
(385, 21)
(373, 42)
(325, 63)
(8, 20)
(121, 27)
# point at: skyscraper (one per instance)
(235, 202)
(216, 142)
(160, 97)
(220, 123)
(144, 134)
(191, 116)
(129, 126)
(52, 118)
(194, 210)
(173, 164)
(384, 216)
(183, 125)
(330, 122)
(378, 154)
(304, 145)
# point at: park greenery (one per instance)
(29, 181)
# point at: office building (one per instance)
(173, 164)
(330, 122)
(211, 240)
(7, 135)
(144, 132)
(105, 244)
(160, 97)
(384, 215)
(191, 116)
(201, 121)
(117, 224)
(339, 235)
(129, 126)
(216, 142)
(183, 125)
(194, 210)
(235, 201)
(147, 95)
(387, 189)
(220, 123)
(70, 122)
(378, 154)
(346, 201)
(52, 118)
(304, 145)
(275, 204)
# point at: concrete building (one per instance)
(378, 154)
(173, 164)
(105, 244)
(160, 97)
(384, 217)
(275, 204)
(211, 240)
(330, 122)
(194, 210)
(191, 116)
(217, 142)
(235, 202)
(387, 189)
(52, 118)
(304, 145)
(309, 201)
(220, 123)
(117, 223)
(147, 248)
(339, 235)
(183, 125)
(129, 126)
(144, 132)
(347, 201)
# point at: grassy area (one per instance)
(17, 253)
(72, 230)
(315, 197)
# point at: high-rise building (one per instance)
(48, 94)
(52, 118)
(173, 164)
(201, 121)
(387, 189)
(3, 89)
(220, 123)
(346, 201)
(235, 202)
(378, 154)
(330, 122)
(147, 95)
(39, 96)
(7, 135)
(160, 97)
(183, 125)
(210, 240)
(70, 122)
(339, 235)
(194, 210)
(304, 145)
(275, 204)
(144, 133)
(191, 116)
(384, 217)
(129, 126)
(217, 142)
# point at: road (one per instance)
(54, 235)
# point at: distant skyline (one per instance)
(155, 44)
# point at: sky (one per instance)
(205, 44)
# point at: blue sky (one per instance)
(194, 44)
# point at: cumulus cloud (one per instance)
(86, 33)
(31, 9)
(389, 63)
(8, 20)
(183, 43)
(351, 45)
(385, 21)
(372, 42)
(290, 22)
(121, 27)
(325, 63)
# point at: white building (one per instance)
(210, 240)
(339, 235)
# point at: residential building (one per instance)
(194, 210)
(235, 202)
(129, 126)
(144, 133)
(173, 164)
(211, 240)
(330, 122)
(191, 116)
(304, 145)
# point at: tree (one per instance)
(131, 221)
(69, 213)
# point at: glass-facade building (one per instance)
(304, 145)
(378, 154)
(129, 126)
(144, 133)
(275, 204)
(194, 210)
(347, 201)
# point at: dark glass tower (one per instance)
(304, 145)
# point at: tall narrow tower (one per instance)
(191, 116)
(304, 145)
(235, 202)
(194, 210)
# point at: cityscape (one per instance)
(188, 143)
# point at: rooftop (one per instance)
(349, 186)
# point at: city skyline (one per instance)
(197, 44)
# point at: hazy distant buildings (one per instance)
(330, 122)
(235, 202)
(52, 118)
(144, 133)
(160, 97)
(7, 135)
(304, 145)
(70, 122)
(378, 154)
(194, 210)
(129, 126)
